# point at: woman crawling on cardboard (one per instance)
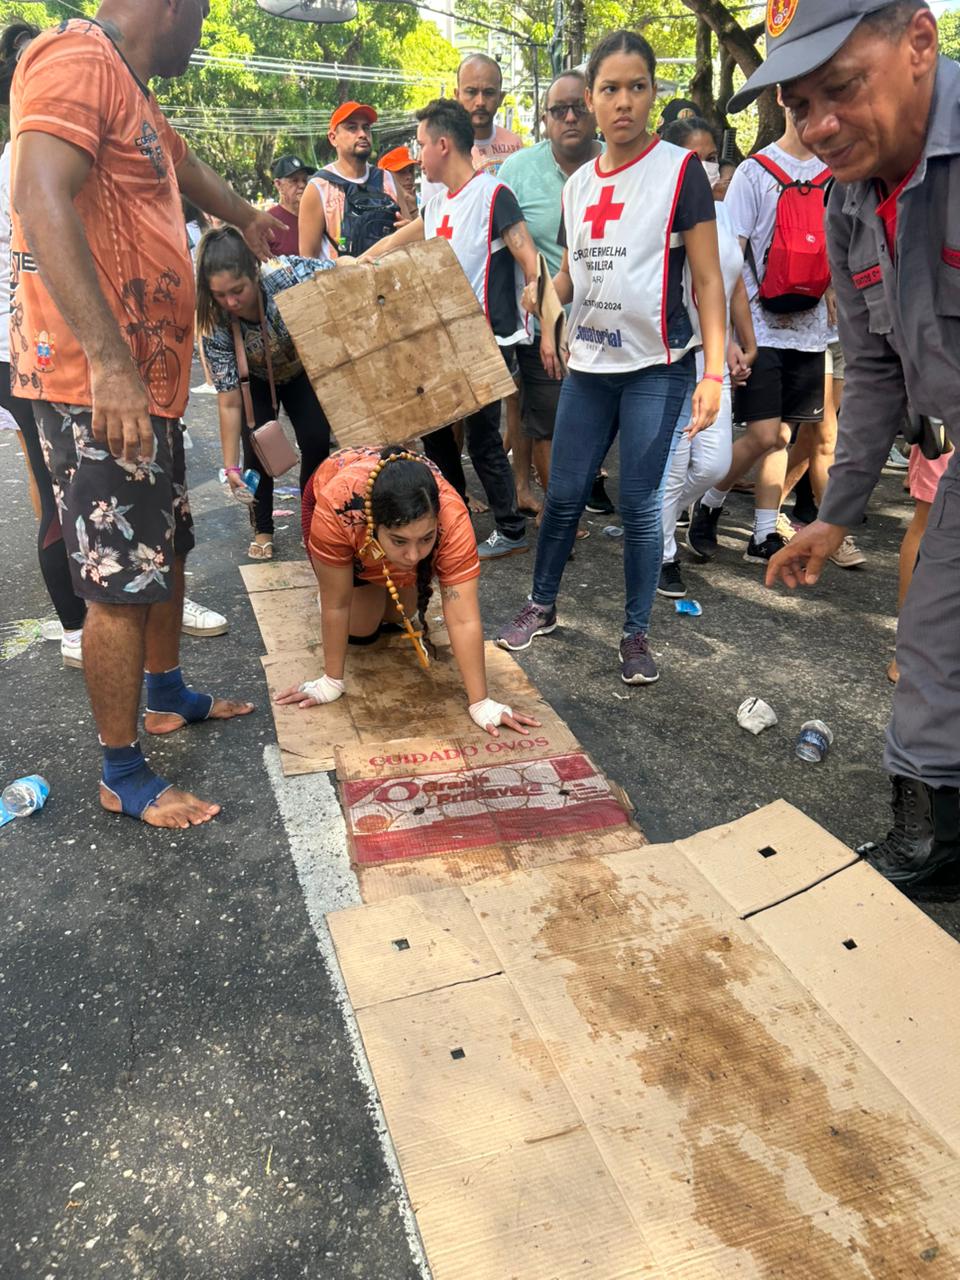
(379, 526)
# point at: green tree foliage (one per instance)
(206, 101)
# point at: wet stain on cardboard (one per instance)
(673, 1004)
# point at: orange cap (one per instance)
(395, 160)
(349, 109)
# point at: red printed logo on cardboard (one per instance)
(864, 279)
(780, 13)
(951, 256)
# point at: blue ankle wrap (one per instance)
(128, 776)
(167, 693)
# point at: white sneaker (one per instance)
(848, 555)
(896, 461)
(71, 649)
(198, 621)
(204, 389)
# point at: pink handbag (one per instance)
(274, 451)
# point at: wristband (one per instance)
(487, 712)
(233, 471)
(713, 377)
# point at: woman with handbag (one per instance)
(254, 365)
(379, 526)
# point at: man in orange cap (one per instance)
(402, 165)
(348, 205)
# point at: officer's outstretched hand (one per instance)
(801, 560)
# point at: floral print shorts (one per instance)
(123, 522)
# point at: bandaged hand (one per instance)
(488, 714)
(312, 693)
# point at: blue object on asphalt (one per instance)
(689, 607)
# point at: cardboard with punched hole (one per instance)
(388, 695)
(396, 349)
(745, 1112)
(886, 972)
(766, 856)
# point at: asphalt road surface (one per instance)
(183, 1095)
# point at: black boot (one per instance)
(702, 533)
(925, 837)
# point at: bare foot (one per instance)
(527, 504)
(175, 808)
(476, 506)
(160, 722)
(893, 671)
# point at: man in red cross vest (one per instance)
(483, 222)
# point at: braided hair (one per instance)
(403, 492)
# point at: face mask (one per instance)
(712, 169)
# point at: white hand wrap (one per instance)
(326, 689)
(488, 712)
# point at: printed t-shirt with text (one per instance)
(632, 302)
(338, 528)
(73, 84)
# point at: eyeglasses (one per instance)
(563, 109)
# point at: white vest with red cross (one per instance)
(618, 234)
(465, 219)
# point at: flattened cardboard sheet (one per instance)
(278, 575)
(290, 620)
(421, 875)
(766, 856)
(388, 696)
(518, 800)
(410, 945)
(746, 1130)
(505, 1180)
(887, 973)
(397, 349)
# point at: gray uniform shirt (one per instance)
(899, 320)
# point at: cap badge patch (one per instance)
(780, 13)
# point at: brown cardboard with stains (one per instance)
(746, 1129)
(505, 1180)
(398, 348)
(388, 696)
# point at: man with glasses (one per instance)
(324, 200)
(537, 176)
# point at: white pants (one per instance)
(697, 465)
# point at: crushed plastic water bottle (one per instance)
(691, 608)
(251, 479)
(815, 740)
(23, 797)
(613, 531)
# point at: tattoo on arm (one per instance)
(449, 593)
(517, 238)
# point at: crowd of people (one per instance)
(699, 295)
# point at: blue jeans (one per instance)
(644, 406)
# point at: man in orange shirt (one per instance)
(103, 304)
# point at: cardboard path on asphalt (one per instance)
(600, 1056)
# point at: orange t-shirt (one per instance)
(338, 528)
(72, 83)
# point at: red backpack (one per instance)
(796, 273)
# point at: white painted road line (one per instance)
(317, 834)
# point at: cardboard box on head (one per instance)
(395, 349)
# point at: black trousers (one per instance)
(51, 551)
(490, 461)
(310, 426)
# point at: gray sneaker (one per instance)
(531, 621)
(637, 664)
(498, 544)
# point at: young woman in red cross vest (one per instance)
(641, 268)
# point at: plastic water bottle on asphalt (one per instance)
(613, 531)
(814, 741)
(25, 796)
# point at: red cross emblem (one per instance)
(604, 211)
(445, 229)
